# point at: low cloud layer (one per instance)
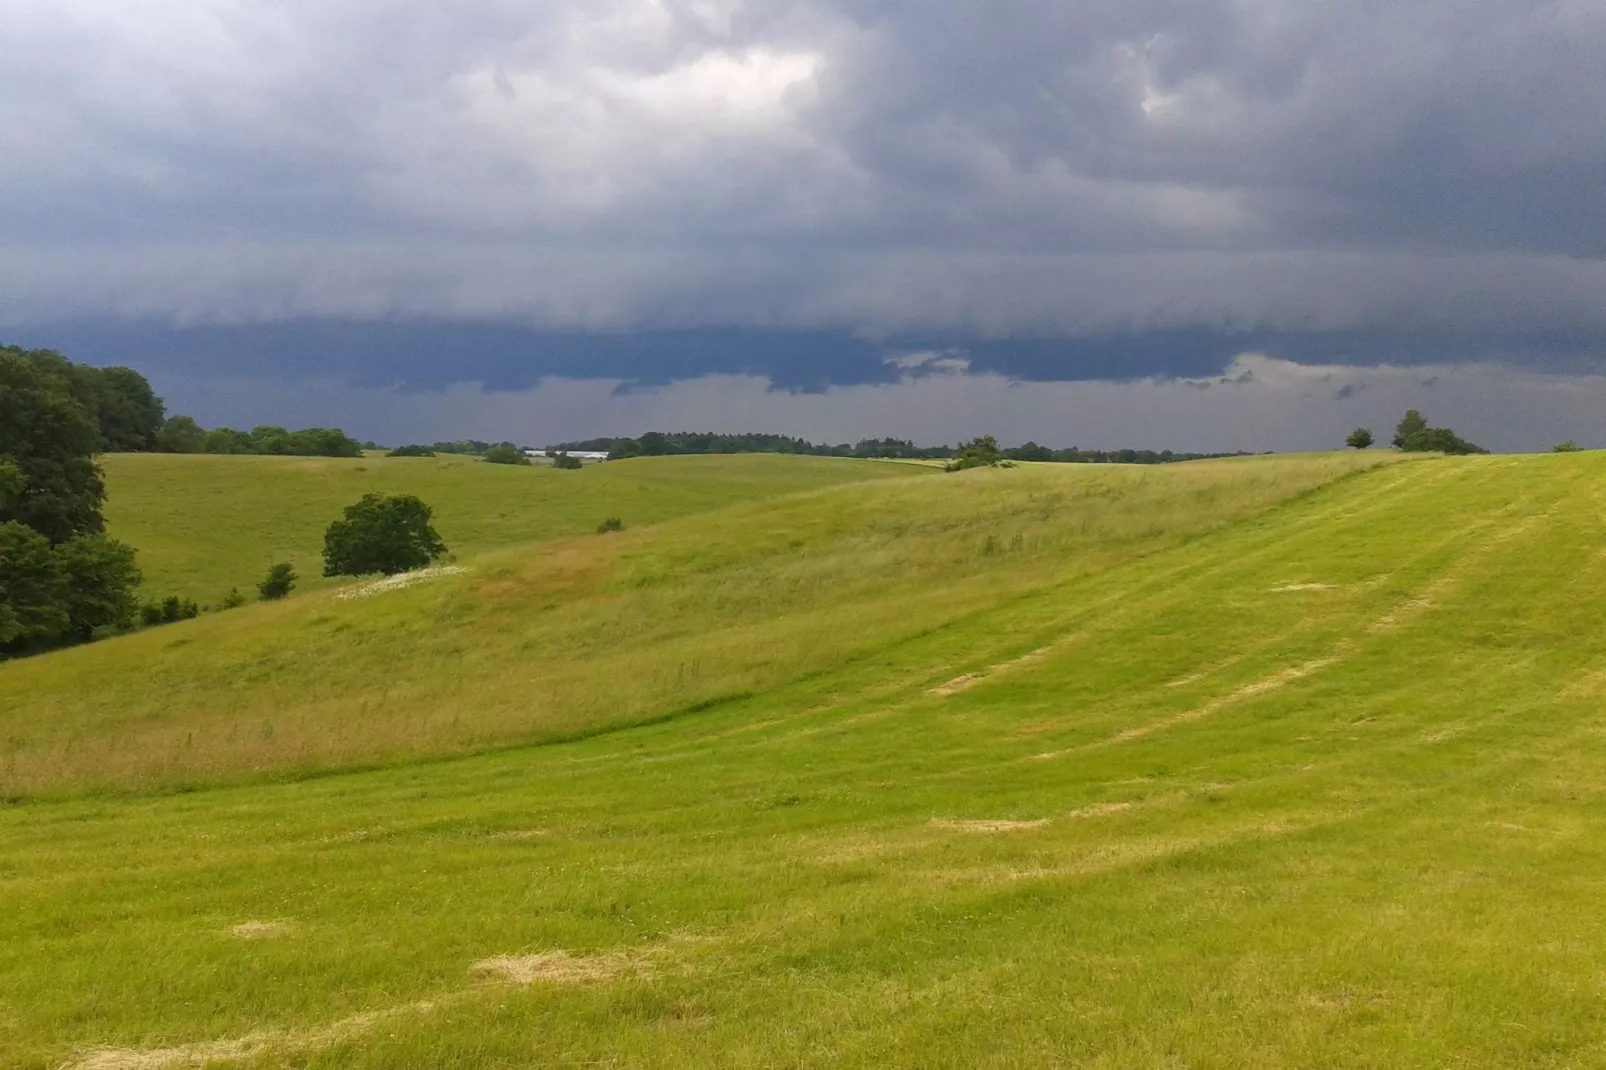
(1258, 403)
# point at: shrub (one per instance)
(233, 600)
(411, 451)
(564, 461)
(613, 523)
(505, 454)
(168, 611)
(280, 581)
(1568, 446)
(381, 533)
(982, 452)
(1359, 439)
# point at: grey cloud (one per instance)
(1038, 167)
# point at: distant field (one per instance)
(204, 524)
(1260, 763)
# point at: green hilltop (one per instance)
(1268, 762)
(204, 523)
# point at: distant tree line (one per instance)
(468, 447)
(181, 434)
(663, 443)
(130, 418)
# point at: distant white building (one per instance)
(584, 455)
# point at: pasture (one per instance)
(203, 523)
(1276, 762)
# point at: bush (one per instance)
(233, 600)
(613, 523)
(1568, 446)
(1359, 439)
(411, 451)
(506, 455)
(381, 533)
(280, 581)
(564, 461)
(982, 452)
(169, 610)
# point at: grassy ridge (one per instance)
(578, 636)
(1319, 788)
(204, 524)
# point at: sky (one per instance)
(1224, 224)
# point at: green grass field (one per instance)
(203, 524)
(1259, 763)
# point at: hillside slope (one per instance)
(203, 524)
(581, 635)
(1324, 785)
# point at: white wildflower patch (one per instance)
(398, 581)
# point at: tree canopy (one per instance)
(980, 452)
(505, 454)
(1413, 435)
(50, 439)
(126, 412)
(60, 579)
(381, 533)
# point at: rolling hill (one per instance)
(1276, 762)
(203, 524)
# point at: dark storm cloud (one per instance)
(423, 356)
(651, 190)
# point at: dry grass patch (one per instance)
(558, 968)
(994, 825)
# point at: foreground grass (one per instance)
(1322, 788)
(204, 524)
(580, 636)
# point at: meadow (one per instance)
(204, 524)
(1265, 763)
(573, 636)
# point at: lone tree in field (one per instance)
(982, 452)
(1412, 423)
(386, 533)
(1359, 439)
(1413, 435)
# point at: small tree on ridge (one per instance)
(1359, 439)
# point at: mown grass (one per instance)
(578, 636)
(1323, 787)
(205, 524)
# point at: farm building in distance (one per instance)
(584, 455)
